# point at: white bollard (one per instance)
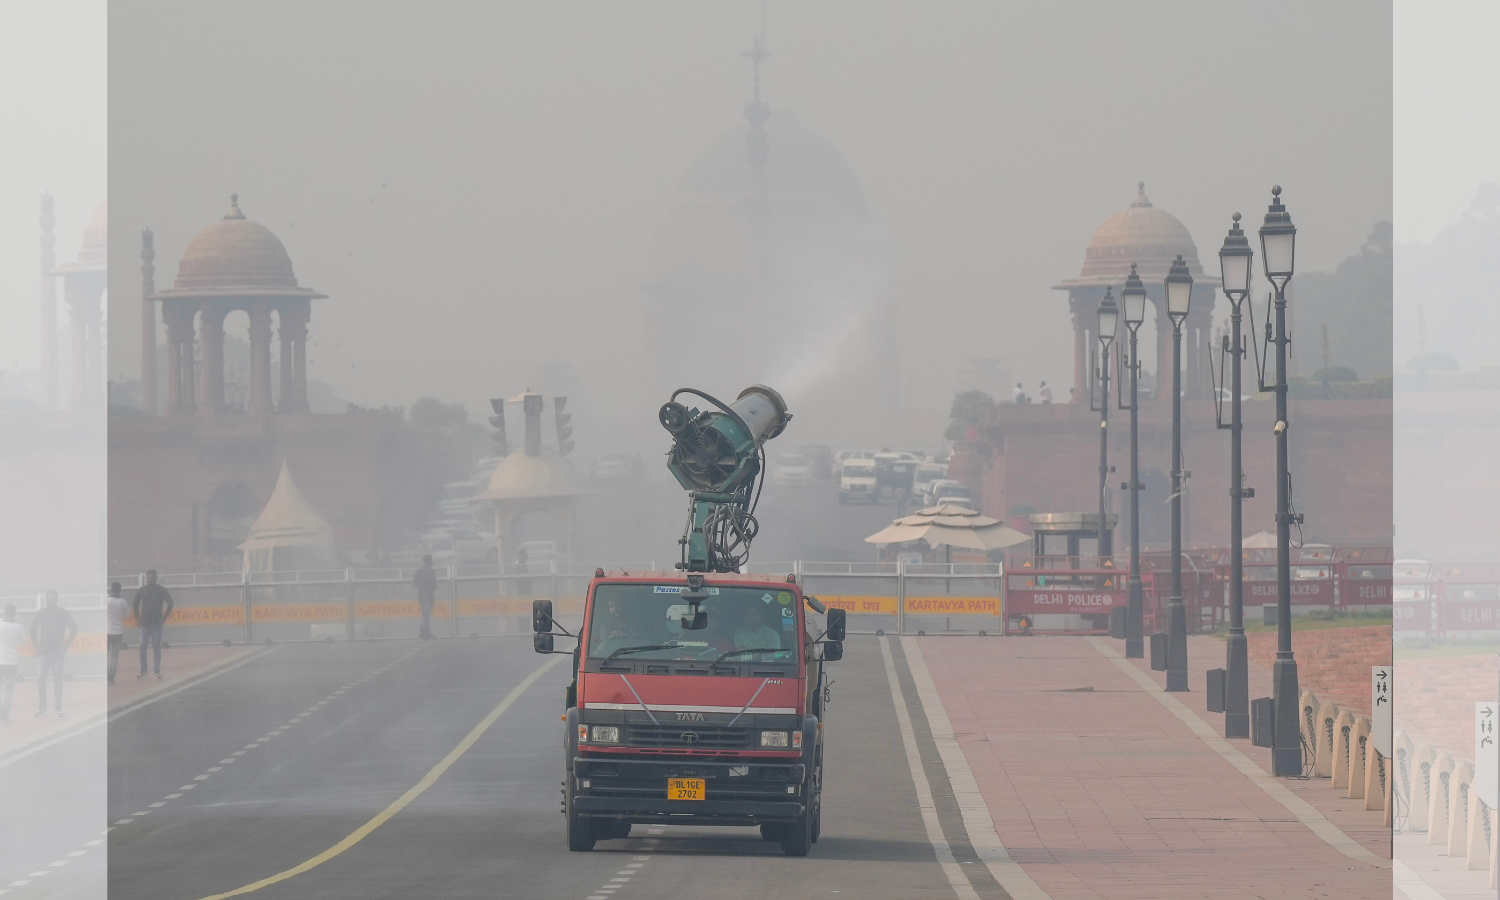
(1359, 740)
(1342, 727)
(1438, 810)
(1477, 845)
(1327, 715)
(1459, 802)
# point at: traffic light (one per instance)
(498, 422)
(564, 430)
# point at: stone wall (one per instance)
(180, 486)
(1333, 663)
(1047, 457)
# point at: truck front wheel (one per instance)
(796, 838)
(581, 835)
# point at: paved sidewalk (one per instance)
(83, 699)
(1100, 791)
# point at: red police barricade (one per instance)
(1063, 595)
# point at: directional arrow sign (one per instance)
(1486, 756)
(1380, 709)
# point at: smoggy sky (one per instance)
(52, 112)
(476, 186)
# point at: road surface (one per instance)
(282, 765)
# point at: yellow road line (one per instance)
(416, 791)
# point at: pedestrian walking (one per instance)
(152, 604)
(115, 610)
(12, 636)
(1045, 393)
(1018, 396)
(426, 583)
(52, 633)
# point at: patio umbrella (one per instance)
(951, 525)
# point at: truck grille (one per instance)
(701, 737)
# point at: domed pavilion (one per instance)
(84, 282)
(233, 264)
(1150, 239)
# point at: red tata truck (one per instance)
(697, 699)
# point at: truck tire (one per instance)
(772, 831)
(796, 840)
(817, 799)
(611, 829)
(581, 835)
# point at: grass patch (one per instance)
(1423, 648)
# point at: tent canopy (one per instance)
(955, 526)
(288, 530)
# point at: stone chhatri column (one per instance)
(48, 332)
(179, 321)
(148, 323)
(211, 353)
(293, 332)
(78, 318)
(93, 348)
(260, 357)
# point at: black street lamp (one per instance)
(1109, 317)
(1133, 297)
(1179, 286)
(1278, 241)
(1234, 270)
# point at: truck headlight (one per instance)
(606, 734)
(773, 739)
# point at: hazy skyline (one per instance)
(478, 188)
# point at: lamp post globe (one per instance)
(1109, 318)
(1179, 288)
(1278, 242)
(1235, 258)
(1133, 298)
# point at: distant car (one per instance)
(941, 489)
(615, 467)
(462, 490)
(791, 468)
(845, 455)
(958, 500)
(926, 474)
(857, 481)
(466, 547)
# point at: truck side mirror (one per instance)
(833, 651)
(541, 616)
(835, 624)
(541, 643)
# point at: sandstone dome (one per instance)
(234, 252)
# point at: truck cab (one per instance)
(695, 700)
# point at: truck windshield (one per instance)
(763, 620)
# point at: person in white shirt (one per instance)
(116, 609)
(12, 636)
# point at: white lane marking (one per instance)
(158, 804)
(94, 843)
(225, 761)
(238, 753)
(954, 872)
(78, 853)
(59, 862)
(187, 787)
(971, 804)
(1304, 811)
(144, 812)
(201, 777)
(124, 821)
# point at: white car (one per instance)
(857, 481)
(925, 475)
(940, 490)
(956, 500)
(845, 455)
(792, 468)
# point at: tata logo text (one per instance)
(690, 717)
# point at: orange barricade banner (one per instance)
(396, 609)
(200, 615)
(82, 643)
(299, 612)
(953, 606)
(918, 606)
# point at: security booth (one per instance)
(1065, 532)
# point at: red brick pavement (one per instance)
(177, 665)
(1104, 793)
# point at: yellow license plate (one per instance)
(685, 788)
